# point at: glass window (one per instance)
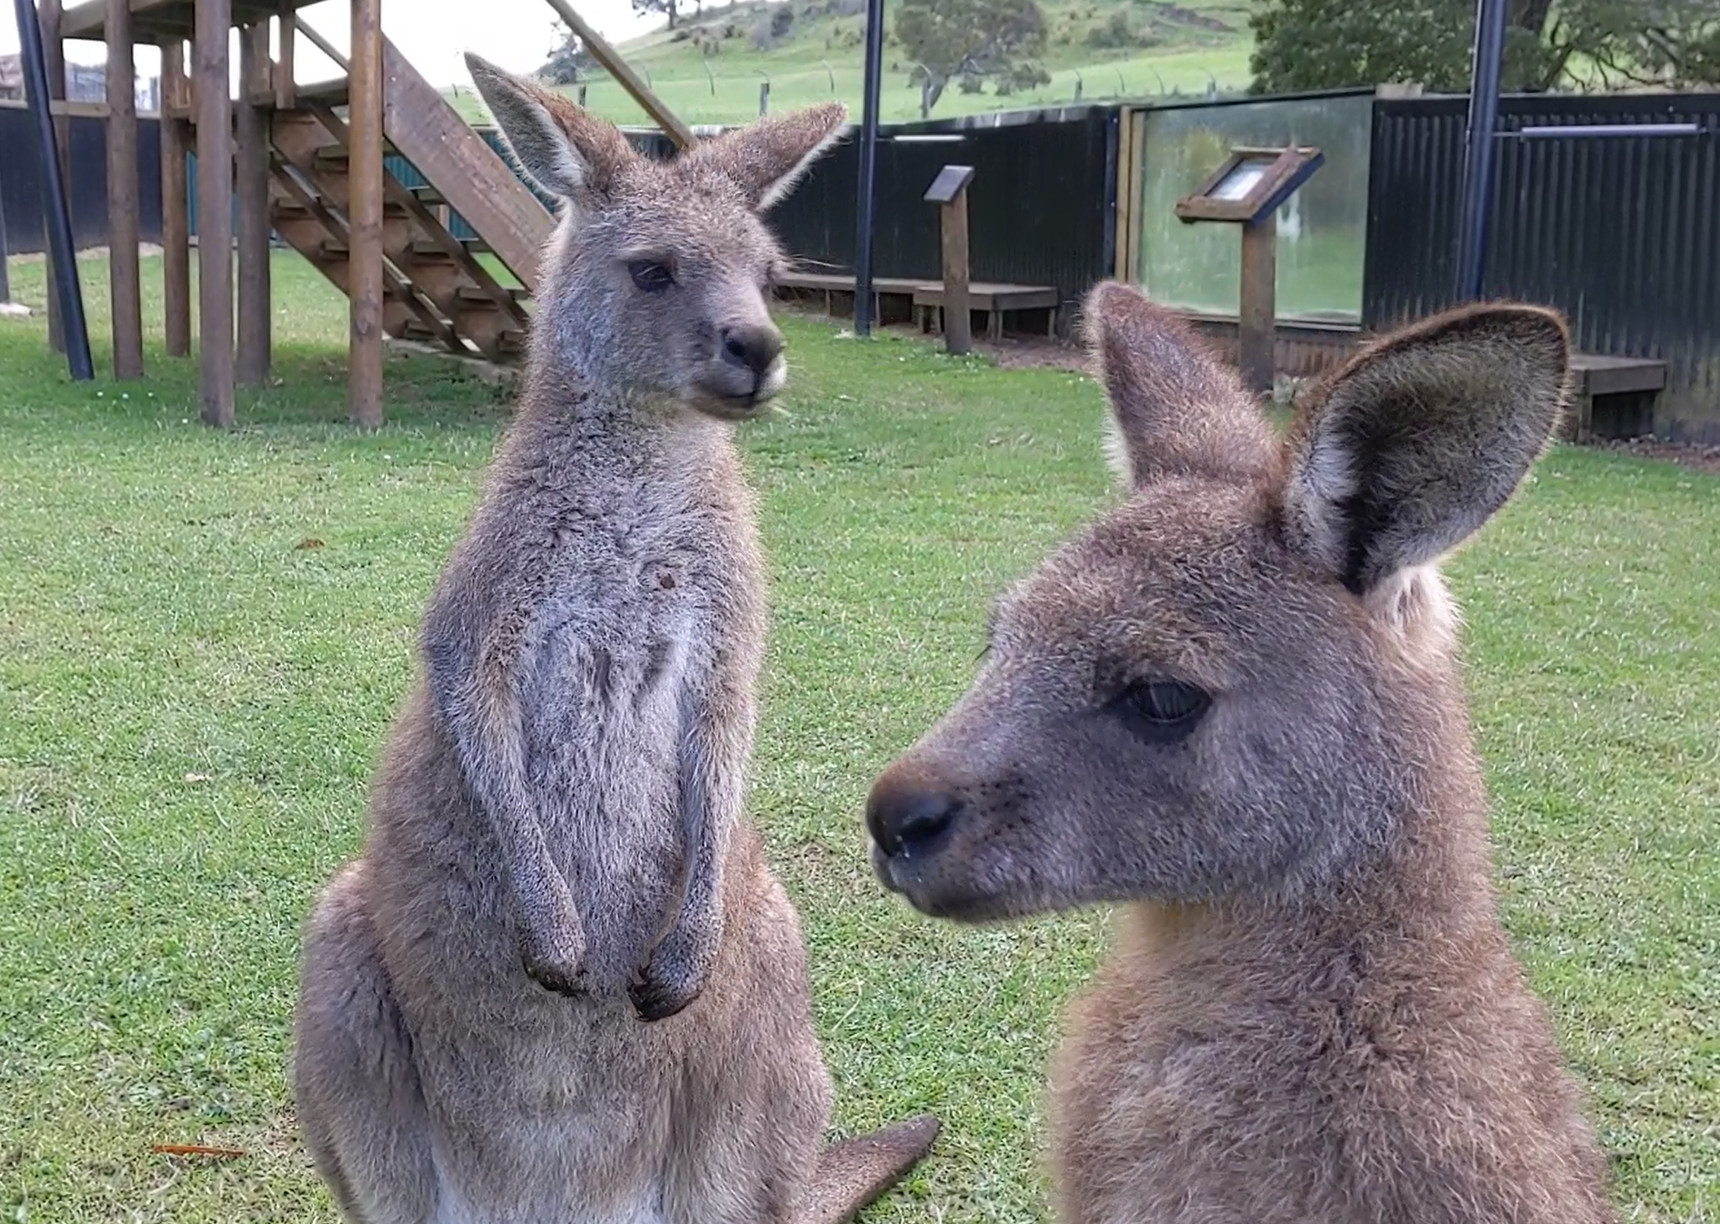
(1321, 229)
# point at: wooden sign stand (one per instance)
(1248, 190)
(949, 192)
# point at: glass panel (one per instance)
(1321, 229)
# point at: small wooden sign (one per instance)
(1250, 185)
(949, 183)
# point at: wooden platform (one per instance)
(903, 299)
(1624, 383)
(156, 19)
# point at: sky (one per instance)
(432, 34)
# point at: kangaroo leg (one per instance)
(359, 1104)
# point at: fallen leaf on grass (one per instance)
(307, 542)
(195, 778)
(193, 1149)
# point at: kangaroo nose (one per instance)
(909, 822)
(751, 348)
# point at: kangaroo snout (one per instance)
(752, 347)
(908, 820)
(911, 817)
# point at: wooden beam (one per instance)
(214, 211)
(252, 172)
(124, 285)
(364, 212)
(54, 59)
(286, 86)
(175, 204)
(1257, 330)
(619, 68)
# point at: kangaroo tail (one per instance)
(857, 1171)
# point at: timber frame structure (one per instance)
(306, 163)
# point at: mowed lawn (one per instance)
(203, 637)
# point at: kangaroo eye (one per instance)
(1161, 710)
(650, 276)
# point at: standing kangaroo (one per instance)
(561, 986)
(1234, 703)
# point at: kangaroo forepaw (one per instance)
(677, 969)
(657, 995)
(557, 965)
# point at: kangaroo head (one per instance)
(1220, 686)
(658, 276)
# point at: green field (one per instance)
(1194, 47)
(205, 635)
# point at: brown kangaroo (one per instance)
(1234, 703)
(561, 985)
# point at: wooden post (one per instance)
(175, 206)
(364, 210)
(286, 90)
(214, 210)
(123, 276)
(1259, 307)
(54, 57)
(949, 192)
(252, 133)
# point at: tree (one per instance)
(970, 38)
(1325, 44)
(568, 58)
(667, 7)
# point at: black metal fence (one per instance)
(1040, 210)
(21, 181)
(1621, 233)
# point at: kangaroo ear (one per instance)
(769, 156)
(1175, 411)
(1414, 443)
(567, 151)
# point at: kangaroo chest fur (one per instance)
(636, 582)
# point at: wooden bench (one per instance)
(1619, 379)
(993, 300)
(902, 299)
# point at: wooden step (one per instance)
(474, 296)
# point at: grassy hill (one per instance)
(710, 67)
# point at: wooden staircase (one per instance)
(470, 296)
(436, 286)
(308, 163)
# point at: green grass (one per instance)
(190, 704)
(822, 58)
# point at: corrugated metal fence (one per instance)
(21, 181)
(1621, 233)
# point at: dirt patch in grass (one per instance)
(1701, 456)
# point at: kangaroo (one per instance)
(1233, 704)
(560, 984)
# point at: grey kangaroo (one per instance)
(560, 985)
(1234, 704)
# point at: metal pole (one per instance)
(69, 291)
(5, 258)
(868, 167)
(1481, 154)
